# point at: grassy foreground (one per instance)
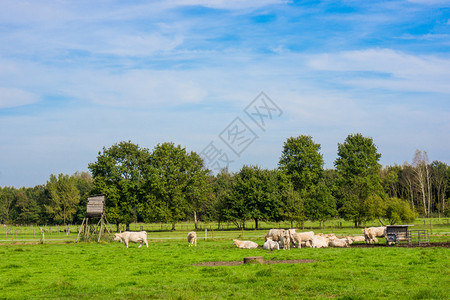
(165, 270)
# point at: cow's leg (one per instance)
(140, 244)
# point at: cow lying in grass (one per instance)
(340, 243)
(357, 238)
(271, 245)
(135, 237)
(245, 244)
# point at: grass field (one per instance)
(439, 230)
(167, 270)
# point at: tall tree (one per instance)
(176, 182)
(26, 208)
(119, 174)
(422, 179)
(293, 203)
(302, 161)
(222, 190)
(390, 176)
(38, 196)
(439, 172)
(198, 187)
(358, 172)
(6, 204)
(407, 183)
(255, 195)
(320, 205)
(64, 198)
(84, 184)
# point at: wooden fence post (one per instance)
(43, 235)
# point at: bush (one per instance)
(398, 210)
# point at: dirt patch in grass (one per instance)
(237, 263)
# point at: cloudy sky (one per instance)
(77, 76)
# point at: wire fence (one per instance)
(68, 233)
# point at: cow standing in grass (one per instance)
(371, 234)
(130, 236)
(192, 238)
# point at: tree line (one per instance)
(170, 184)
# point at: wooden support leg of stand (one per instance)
(81, 229)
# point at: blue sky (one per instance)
(77, 76)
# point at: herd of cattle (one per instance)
(276, 239)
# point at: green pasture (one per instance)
(438, 228)
(166, 270)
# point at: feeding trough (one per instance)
(397, 233)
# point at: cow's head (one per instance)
(117, 237)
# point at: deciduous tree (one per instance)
(119, 174)
(63, 196)
(358, 176)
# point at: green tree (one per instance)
(119, 173)
(293, 204)
(221, 191)
(439, 171)
(255, 195)
(26, 208)
(198, 188)
(233, 206)
(176, 183)
(398, 210)
(302, 161)
(38, 196)
(320, 205)
(84, 184)
(6, 204)
(376, 206)
(359, 178)
(390, 177)
(64, 198)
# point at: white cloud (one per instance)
(138, 45)
(227, 4)
(396, 70)
(12, 97)
(431, 2)
(135, 88)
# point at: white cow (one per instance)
(319, 241)
(245, 244)
(130, 236)
(341, 243)
(275, 234)
(300, 238)
(192, 238)
(371, 233)
(286, 241)
(271, 245)
(357, 238)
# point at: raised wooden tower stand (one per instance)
(95, 209)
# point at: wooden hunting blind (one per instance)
(95, 208)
